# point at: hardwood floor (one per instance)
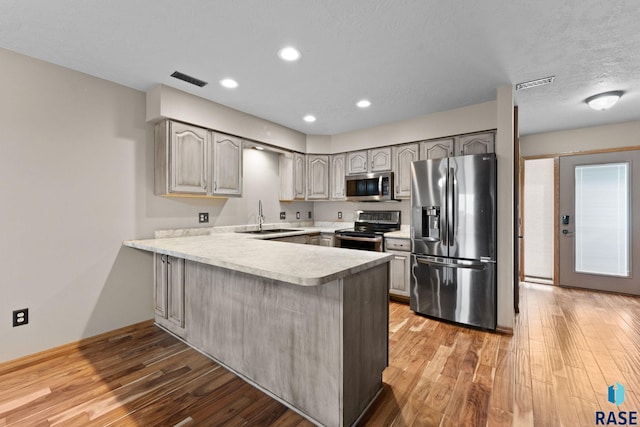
(568, 347)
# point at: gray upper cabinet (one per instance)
(318, 177)
(403, 156)
(338, 172)
(227, 165)
(437, 149)
(182, 160)
(380, 159)
(365, 161)
(357, 162)
(299, 180)
(475, 144)
(190, 160)
(292, 176)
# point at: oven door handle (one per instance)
(359, 239)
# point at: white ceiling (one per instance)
(409, 57)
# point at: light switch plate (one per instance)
(203, 217)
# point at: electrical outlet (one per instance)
(309, 214)
(297, 215)
(283, 215)
(339, 215)
(20, 317)
(203, 217)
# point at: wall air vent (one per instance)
(534, 83)
(188, 79)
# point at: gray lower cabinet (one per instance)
(314, 239)
(302, 239)
(170, 276)
(327, 239)
(399, 266)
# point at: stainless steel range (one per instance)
(368, 230)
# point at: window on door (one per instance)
(602, 219)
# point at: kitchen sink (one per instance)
(271, 231)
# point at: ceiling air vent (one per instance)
(188, 79)
(534, 83)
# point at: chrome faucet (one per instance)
(260, 215)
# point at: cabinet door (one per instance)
(302, 239)
(318, 177)
(160, 298)
(403, 156)
(314, 240)
(188, 154)
(380, 159)
(175, 284)
(475, 144)
(326, 240)
(227, 165)
(299, 178)
(338, 172)
(399, 270)
(436, 149)
(357, 162)
(285, 176)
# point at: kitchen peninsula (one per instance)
(305, 323)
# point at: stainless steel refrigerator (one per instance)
(453, 234)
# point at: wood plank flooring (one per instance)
(568, 346)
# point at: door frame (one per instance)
(556, 200)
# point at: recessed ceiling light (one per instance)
(602, 101)
(309, 118)
(257, 147)
(364, 103)
(229, 83)
(289, 54)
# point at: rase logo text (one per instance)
(615, 395)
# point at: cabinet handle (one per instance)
(205, 183)
(162, 258)
(215, 185)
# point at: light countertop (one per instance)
(305, 265)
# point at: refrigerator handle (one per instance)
(459, 264)
(451, 198)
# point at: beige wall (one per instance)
(72, 184)
(76, 179)
(617, 135)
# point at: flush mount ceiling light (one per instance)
(602, 101)
(309, 118)
(535, 83)
(229, 83)
(363, 103)
(289, 53)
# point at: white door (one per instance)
(599, 221)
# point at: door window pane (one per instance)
(602, 219)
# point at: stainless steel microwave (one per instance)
(370, 187)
